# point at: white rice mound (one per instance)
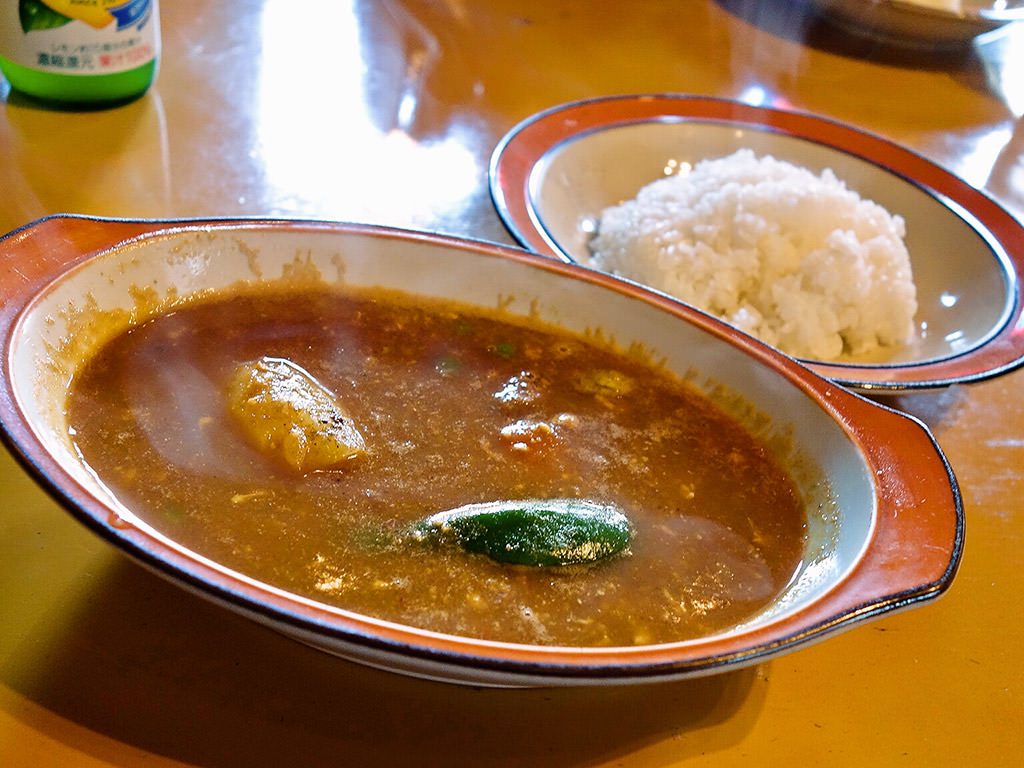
(797, 260)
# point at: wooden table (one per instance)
(386, 112)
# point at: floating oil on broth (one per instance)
(455, 407)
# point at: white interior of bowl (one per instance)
(965, 285)
(200, 259)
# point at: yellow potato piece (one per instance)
(289, 414)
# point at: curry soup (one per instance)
(453, 406)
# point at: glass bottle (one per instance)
(80, 52)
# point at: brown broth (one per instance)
(456, 407)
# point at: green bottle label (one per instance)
(79, 37)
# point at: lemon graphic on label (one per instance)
(48, 14)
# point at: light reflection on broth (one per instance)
(456, 407)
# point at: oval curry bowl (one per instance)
(885, 520)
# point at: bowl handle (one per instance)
(918, 539)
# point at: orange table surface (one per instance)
(386, 112)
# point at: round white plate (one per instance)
(553, 174)
(922, 22)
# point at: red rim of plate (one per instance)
(526, 145)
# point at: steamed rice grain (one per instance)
(798, 260)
